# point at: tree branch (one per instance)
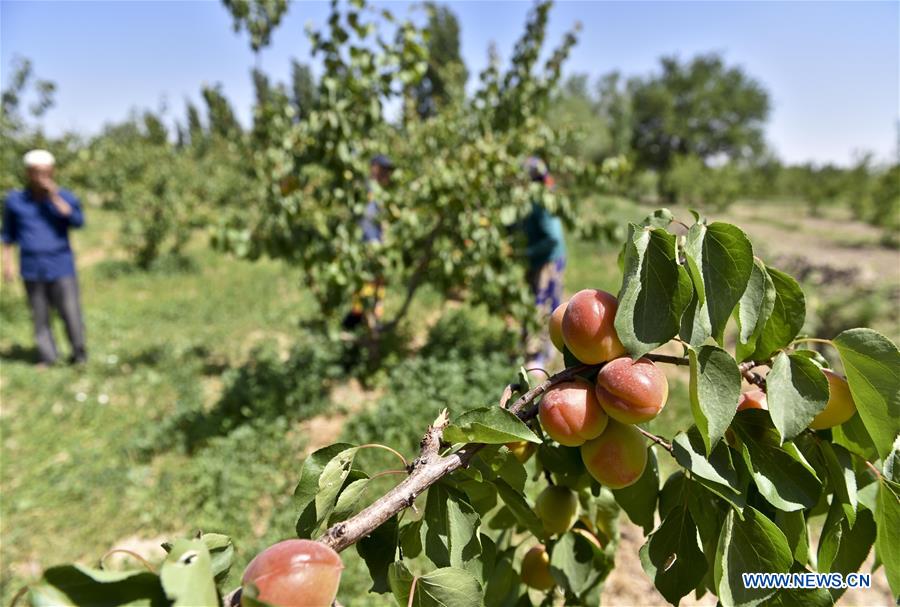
(427, 469)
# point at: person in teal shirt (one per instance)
(546, 253)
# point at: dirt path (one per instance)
(836, 241)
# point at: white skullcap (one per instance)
(39, 158)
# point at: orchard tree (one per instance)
(446, 74)
(459, 189)
(303, 88)
(516, 503)
(703, 108)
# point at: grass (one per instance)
(186, 415)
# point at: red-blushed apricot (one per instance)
(632, 391)
(295, 573)
(522, 450)
(617, 457)
(570, 413)
(588, 327)
(840, 405)
(556, 318)
(754, 398)
(557, 507)
(536, 569)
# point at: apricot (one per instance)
(617, 457)
(588, 327)
(632, 391)
(840, 406)
(556, 319)
(754, 398)
(522, 450)
(536, 569)
(295, 573)
(570, 413)
(557, 507)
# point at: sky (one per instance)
(832, 68)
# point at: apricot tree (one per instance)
(462, 528)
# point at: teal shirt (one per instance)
(544, 234)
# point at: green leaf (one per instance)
(655, 291)
(782, 475)
(79, 585)
(350, 500)
(716, 472)
(489, 425)
(796, 391)
(754, 544)
(855, 544)
(331, 482)
(378, 550)
(793, 524)
(450, 528)
(221, 553)
(842, 476)
(887, 542)
(720, 262)
(446, 587)
(872, 364)
(715, 387)
(520, 509)
(801, 597)
(754, 309)
(639, 500)
(577, 564)
(660, 218)
(503, 586)
(853, 436)
(308, 485)
(785, 321)
(671, 556)
(187, 575)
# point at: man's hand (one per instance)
(9, 272)
(46, 184)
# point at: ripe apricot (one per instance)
(840, 406)
(557, 507)
(632, 391)
(536, 569)
(522, 450)
(754, 398)
(556, 318)
(295, 573)
(588, 327)
(617, 457)
(570, 413)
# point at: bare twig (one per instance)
(655, 439)
(672, 360)
(746, 369)
(22, 591)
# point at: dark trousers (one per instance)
(61, 294)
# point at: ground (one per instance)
(152, 439)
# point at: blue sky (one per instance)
(832, 68)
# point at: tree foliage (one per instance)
(702, 108)
(459, 188)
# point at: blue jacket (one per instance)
(544, 234)
(42, 234)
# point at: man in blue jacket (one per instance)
(546, 253)
(38, 219)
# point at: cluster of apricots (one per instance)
(599, 417)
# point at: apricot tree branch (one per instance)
(672, 360)
(656, 439)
